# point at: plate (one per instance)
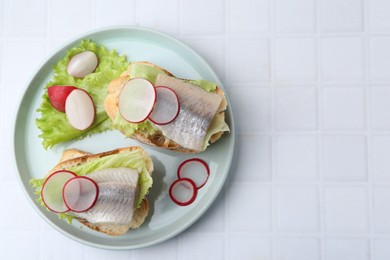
(165, 218)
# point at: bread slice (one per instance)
(72, 157)
(157, 139)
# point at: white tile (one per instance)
(24, 18)
(344, 108)
(248, 16)
(381, 249)
(23, 217)
(344, 158)
(296, 158)
(346, 209)
(75, 18)
(378, 15)
(295, 59)
(2, 15)
(257, 210)
(298, 248)
(297, 209)
(381, 209)
(54, 245)
(203, 17)
(248, 247)
(200, 246)
(295, 16)
(380, 153)
(124, 10)
(255, 149)
(380, 105)
(342, 58)
(212, 49)
(243, 100)
(19, 245)
(379, 49)
(341, 15)
(149, 14)
(296, 108)
(346, 249)
(31, 52)
(165, 250)
(251, 54)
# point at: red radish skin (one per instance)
(80, 109)
(159, 116)
(182, 174)
(58, 95)
(45, 200)
(189, 185)
(130, 104)
(82, 182)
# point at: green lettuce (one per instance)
(134, 159)
(150, 73)
(53, 124)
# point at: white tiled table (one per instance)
(310, 84)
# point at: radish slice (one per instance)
(167, 106)
(51, 192)
(136, 100)
(79, 109)
(183, 192)
(80, 193)
(195, 169)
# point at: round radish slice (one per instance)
(195, 169)
(80, 193)
(51, 192)
(183, 192)
(79, 109)
(136, 100)
(167, 106)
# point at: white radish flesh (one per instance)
(195, 169)
(80, 194)
(79, 109)
(82, 64)
(51, 192)
(136, 100)
(167, 106)
(183, 192)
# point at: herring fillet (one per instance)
(197, 110)
(116, 199)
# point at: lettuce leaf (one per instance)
(133, 159)
(53, 124)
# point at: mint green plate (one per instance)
(165, 219)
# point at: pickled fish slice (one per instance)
(197, 109)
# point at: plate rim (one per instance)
(16, 119)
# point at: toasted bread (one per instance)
(74, 157)
(157, 139)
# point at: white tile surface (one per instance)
(309, 83)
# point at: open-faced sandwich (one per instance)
(105, 192)
(149, 104)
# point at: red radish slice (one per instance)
(51, 192)
(80, 193)
(183, 192)
(80, 109)
(195, 169)
(136, 100)
(57, 96)
(167, 106)
(82, 64)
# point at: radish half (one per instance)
(167, 106)
(80, 193)
(195, 169)
(79, 109)
(51, 192)
(136, 100)
(183, 191)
